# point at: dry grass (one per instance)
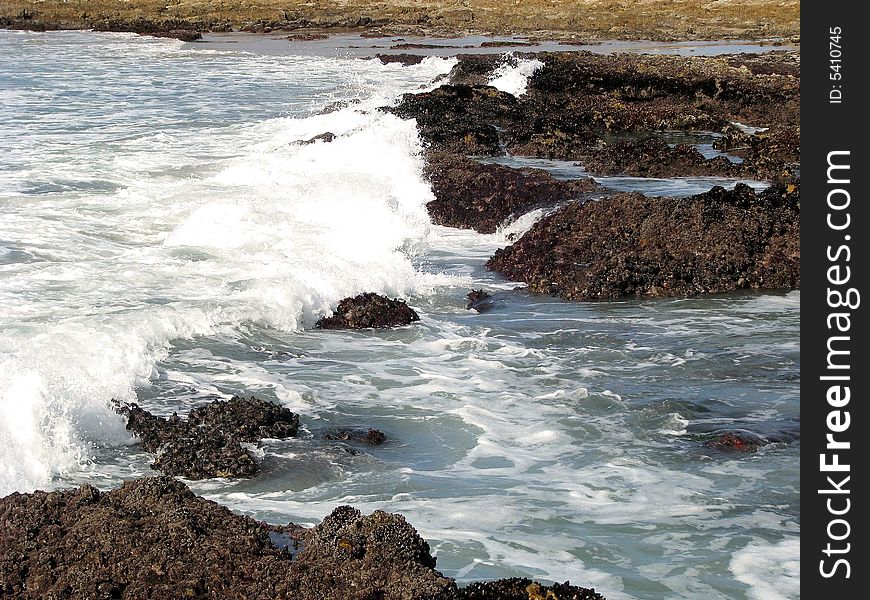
(601, 19)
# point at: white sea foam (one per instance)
(268, 231)
(513, 78)
(771, 570)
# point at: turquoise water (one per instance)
(164, 238)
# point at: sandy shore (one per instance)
(549, 19)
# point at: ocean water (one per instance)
(166, 239)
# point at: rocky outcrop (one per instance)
(153, 539)
(460, 119)
(149, 539)
(471, 195)
(369, 311)
(209, 442)
(631, 245)
(577, 98)
(406, 60)
(354, 557)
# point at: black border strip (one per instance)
(834, 229)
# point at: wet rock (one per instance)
(632, 245)
(653, 157)
(478, 300)
(737, 441)
(577, 97)
(476, 69)
(351, 556)
(149, 539)
(418, 46)
(372, 437)
(153, 539)
(507, 44)
(403, 59)
(325, 137)
(182, 29)
(517, 588)
(767, 154)
(185, 35)
(459, 118)
(306, 37)
(248, 419)
(472, 195)
(369, 311)
(209, 443)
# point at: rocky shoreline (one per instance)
(153, 538)
(568, 21)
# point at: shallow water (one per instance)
(165, 238)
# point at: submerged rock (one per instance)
(472, 195)
(736, 441)
(478, 300)
(209, 442)
(326, 137)
(742, 440)
(632, 245)
(153, 539)
(369, 311)
(372, 437)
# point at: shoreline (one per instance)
(568, 20)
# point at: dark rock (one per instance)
(208, 443)
(767, 154)
(417, 46)
(405, 60)
(185, 35)
(356, 557)
(517, 588)
(369, 310)
(472, 195)
(247, 419)
(461, 119)
(507, 44)
(153, 539)
(632, 245)
(577, 97)
(306, 37)
(179, 28)
(737, 441)
(372, 437)
(476, 69)
(326, 137)
(149, 539)
(653, 157)
(478, 300)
